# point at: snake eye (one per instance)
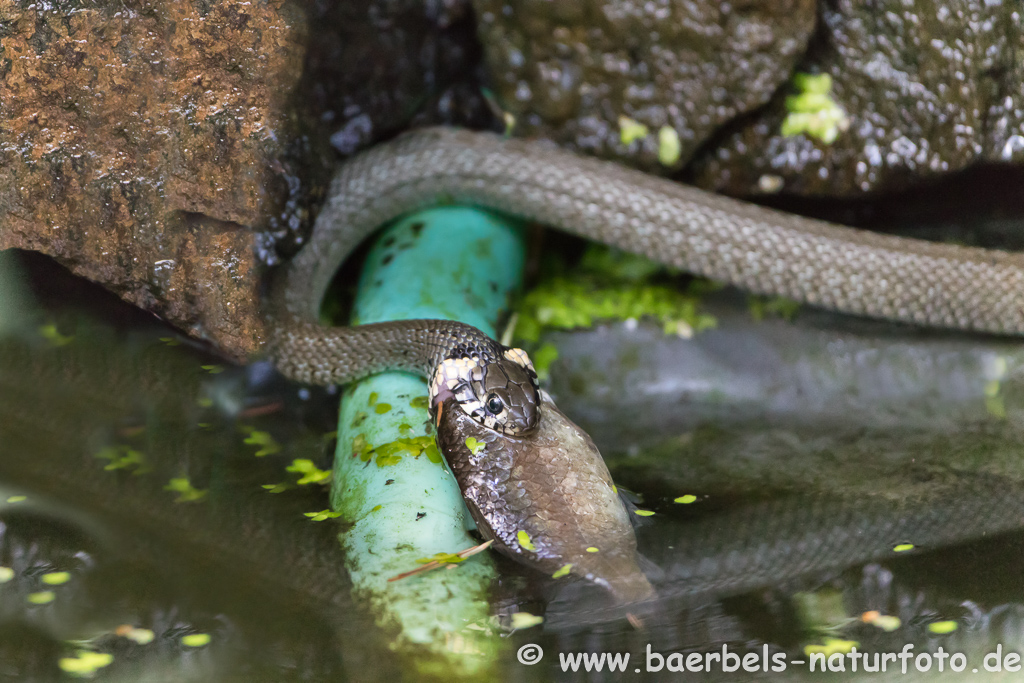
(494, 404)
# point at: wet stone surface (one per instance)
(568, 71)
(140, 146)
(167, 150)
(373, 67)
(930, 87)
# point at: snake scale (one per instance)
(757, 249)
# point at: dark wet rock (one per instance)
(929, 86)
(140, 147)
(374, 67)
(569, 70)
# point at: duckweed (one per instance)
(311, 474)
(85, 663)
(186, 492)
(267, 444)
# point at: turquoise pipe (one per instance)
(389, 482)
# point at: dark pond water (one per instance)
(818, 485)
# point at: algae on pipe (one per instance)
(390, 482)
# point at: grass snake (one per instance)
(757, 249)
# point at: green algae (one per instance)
(812, 111)
(609, 285)
(322, 515)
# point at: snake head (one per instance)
(501, 393)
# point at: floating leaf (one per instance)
(267, 444)
(41, 597)
(522, 620)
(142, 636)
(55, 578)
(883, 621)
(831, 647)
(311, 474)
(887, 623)
(322, 515)
(186, 492)
(85, 663)
(122, 458)
(562, 571)
(196, 640)
(943, 627)
(51, 334)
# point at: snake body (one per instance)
(761, 250)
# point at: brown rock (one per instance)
(929, 86)
(139, 144)
(569, 70)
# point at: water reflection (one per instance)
(789, 542)
(107, 421)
